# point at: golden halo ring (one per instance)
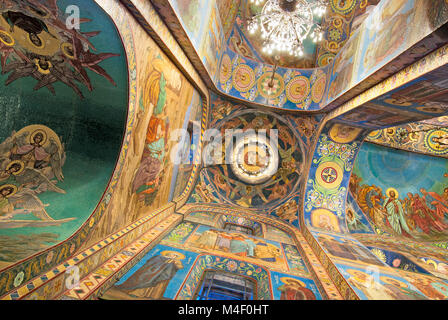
(22, 166)
(7, 35)
(44, 136)
(13, 187)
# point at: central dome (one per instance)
(254, 158)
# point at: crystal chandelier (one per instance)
(285, 24)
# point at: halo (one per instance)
(432, 262)
(394, 102)
(317, 213)
(178, 255)
(7, 35)
(351, 135)
(394, 190)
(44, 138)
(22, 164)
(393, 281)
(43, 71)
(49, 134)
(64, 48)
(287, 280)
(14, 188)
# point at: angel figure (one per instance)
(48, 157)
(20, 176)
(14, 201)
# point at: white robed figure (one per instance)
(395, 212)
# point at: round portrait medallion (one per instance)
(254, 159)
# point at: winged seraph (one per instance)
(32, 178)
(26, 201)
(57, 160)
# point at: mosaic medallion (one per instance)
(270, 88)
(343, 6)
(298, 89)
(437, 141)
(317, 91)
(243, 78)
(226, 69)
(329, 175)
(254, 159)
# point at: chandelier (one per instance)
(285, 24)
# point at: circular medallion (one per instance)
(325, 59)
(226, 69)
(343, 134)
(270, 88)
(317, 91)
(254, 159)
(298, 89)
(324, 219)
(392, 193)
(437, 141)
(19, 279)
(49, 257)
(329, 175)
(434, 109)
(343, 6)
(243, 78)
(375, 134)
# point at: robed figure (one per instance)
(149, 281)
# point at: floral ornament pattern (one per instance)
(181, 232)
(329, 174)
(19, 279)
(415, 137)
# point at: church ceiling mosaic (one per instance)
(259, 183)
(421, 137)
(401, 194)
(250, 45)
(342, 20)
(64, 97)
(328, 177)
(256, 186)
(190, 249)
(291, 89)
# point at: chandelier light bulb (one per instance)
(285, 24)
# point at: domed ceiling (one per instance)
(250, 45)
(258, 170)
(339, 23)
